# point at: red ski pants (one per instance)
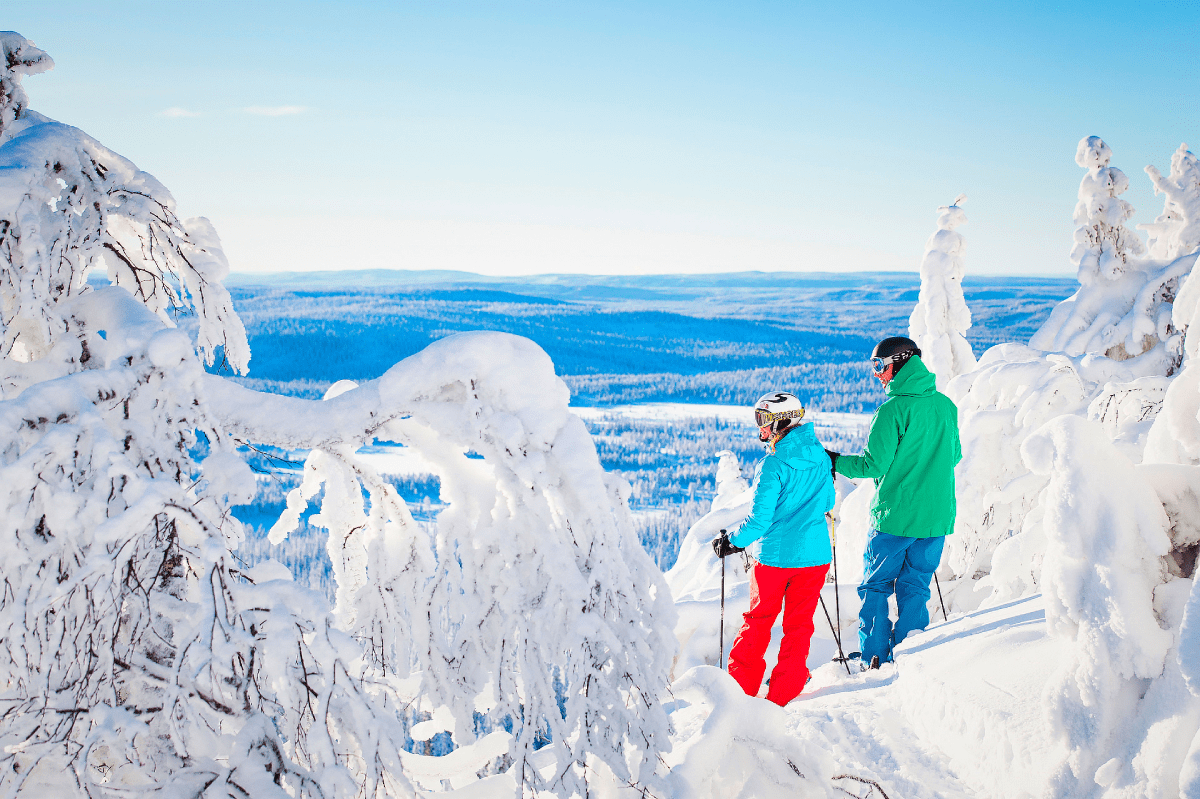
(796, 591)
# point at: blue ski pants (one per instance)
(894, 563)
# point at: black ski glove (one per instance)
(723, 547)
(833, 456)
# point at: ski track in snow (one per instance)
(957, 715)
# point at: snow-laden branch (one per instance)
(69, 204)
(137, 650)
(1176, 231)
(20, 58)
(538, 590)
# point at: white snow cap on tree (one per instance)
(20, 58)
(1102, 242)
(1176, 231)
(68, 204)
(1122, 309)
(941, 319)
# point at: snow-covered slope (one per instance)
(959, 714)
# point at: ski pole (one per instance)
(940, 600)
(836, 638)
(722, 633)
(837, 601)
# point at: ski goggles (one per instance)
(879, 364)
(763, 418)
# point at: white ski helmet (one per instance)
(780, 410)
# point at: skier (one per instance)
(792, 493)
(911, 452)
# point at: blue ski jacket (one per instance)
(793, 490)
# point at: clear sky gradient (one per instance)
(623, 137)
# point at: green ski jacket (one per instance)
(911, 452)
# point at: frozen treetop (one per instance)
(68, 204)
(941, 318)
(1103, 244)
(951, 216)
(1176, 231)
(1093, 153)
(20, 58)
(1123, 307)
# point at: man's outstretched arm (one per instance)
(880, 451)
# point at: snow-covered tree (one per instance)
(69, 204)
(20, 58)
(1176, 231)
(1122, 309)
(539, 593)
(139, 652)
(142, 657)
(1106, 533)
(1103, 245)
(941, 319)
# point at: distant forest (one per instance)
(679, 338)
(615, 340)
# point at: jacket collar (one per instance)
(796, 439)
(914, 380)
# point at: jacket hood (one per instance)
(914, 380)
(797, 444)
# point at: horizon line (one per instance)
(710, 275)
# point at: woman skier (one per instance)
(786, 526)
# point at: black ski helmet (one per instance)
(898, 349)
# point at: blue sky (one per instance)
(623, 137)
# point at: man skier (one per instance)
(911, 452)
(792, 493)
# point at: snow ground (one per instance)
(959, 714)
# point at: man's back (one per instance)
(911, 452)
